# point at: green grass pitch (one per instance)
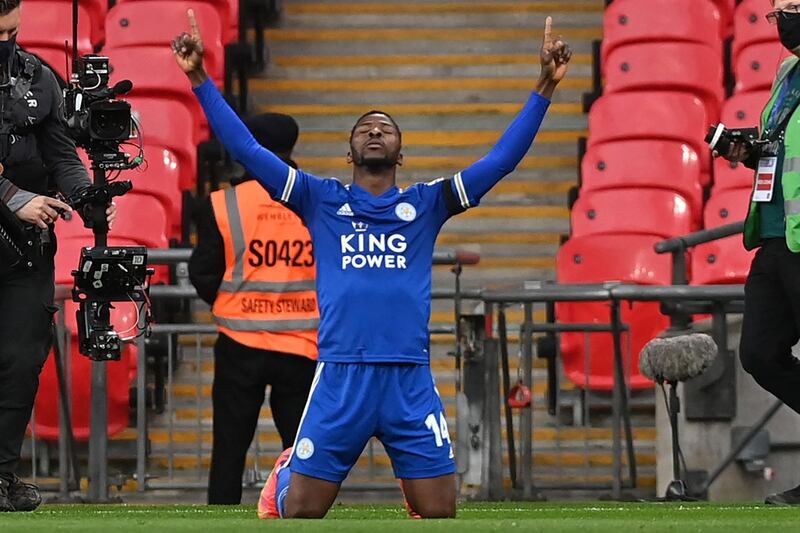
(545, 517)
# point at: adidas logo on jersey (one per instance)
(345, 211)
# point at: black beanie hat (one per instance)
(274, 131)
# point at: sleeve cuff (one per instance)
(539, 99)
(204, 88)
(19, 200)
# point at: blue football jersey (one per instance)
(373, 253)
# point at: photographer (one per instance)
(35, 150)
(771, 325)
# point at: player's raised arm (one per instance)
(472, 183)
(275, 175)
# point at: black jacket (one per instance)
(40, 152)
(207, 265)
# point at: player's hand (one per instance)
(554, 56)
(41, 210)
(188, 50)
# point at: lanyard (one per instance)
(785, 105)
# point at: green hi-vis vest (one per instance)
(790, 179)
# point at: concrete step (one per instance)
(467, 117)
(419, 40)
(384, 66)
(386, 92)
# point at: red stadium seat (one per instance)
(158, 77)
(661, 165)
(160, 178)
(647, 211)
(132, 24)
(223, 7)
(742, 110)
(141, 218)
(751, 27)
(119, 379)
(725, 260)
(92, 14)
(652, 116)
(634, 21)
(726, 10)
(52, 26)
(171, 126)
(597, 259)
(757, 65)
(679, 67)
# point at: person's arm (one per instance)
(265, 166)
(207, 264)
(472, 183)
(284, 184)
(469, 185)
(13, 196)
(56, 146)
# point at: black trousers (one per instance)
(771, 323)
(26, 317)
(241, 375)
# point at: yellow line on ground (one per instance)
(516, 262)
(449, 164)
(525, 36)
(420, 109)
(417, 59)
(395, 8)
(447, 138)
(405, 85)
(498, 238)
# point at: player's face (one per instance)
(375, 142)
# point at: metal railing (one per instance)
(715, 296)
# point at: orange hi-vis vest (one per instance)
(267, 299)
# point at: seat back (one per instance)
(132, 24)
(667, 165)
(756, 66)
(611, 119)
(647, 211)
(170, 126)
(633, 21)
(750, 26)
(724, 260)
(683, 67)
(588, 358)
(158, 77)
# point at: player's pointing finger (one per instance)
(193, 25)
(548, 30)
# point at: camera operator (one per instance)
(771, 325)
(35, 150)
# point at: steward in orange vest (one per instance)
(254, 264)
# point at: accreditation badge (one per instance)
(765, 179)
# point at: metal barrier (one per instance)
(715, 296)
(192, 355)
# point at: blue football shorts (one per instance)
(351, 402)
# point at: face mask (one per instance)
(7, 48)
(789, 30)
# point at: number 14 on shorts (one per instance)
(439, 428)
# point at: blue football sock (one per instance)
(282, 488)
